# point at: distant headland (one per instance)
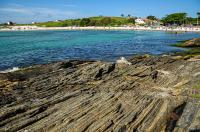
(171, 22)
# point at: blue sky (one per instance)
(26, 11)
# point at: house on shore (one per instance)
(139, 21)
(152, 22)
(147, 22)
(10, 23)
(58, 20)
(33, 22)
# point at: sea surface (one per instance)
(25, 48)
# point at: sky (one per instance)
(27, 11)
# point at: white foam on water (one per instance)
(10, 70)
(123, 60)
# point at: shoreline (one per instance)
(183, 55)
(136, 28)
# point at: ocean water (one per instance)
(25, 48)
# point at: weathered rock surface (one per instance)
(101, 96)
(195, 42)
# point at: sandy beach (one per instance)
(163, 28)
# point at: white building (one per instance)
(57, 20)
(139, 21)
(10, 23)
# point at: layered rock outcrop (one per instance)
(101, 96)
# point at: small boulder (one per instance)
(123, 60)
(195, 42)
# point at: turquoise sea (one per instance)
(25, 48)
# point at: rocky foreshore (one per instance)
(150, 93)
(195, 42)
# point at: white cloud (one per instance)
(14, 10)
(68, 5)
(53, 11)
(39, 10)
(37, 13)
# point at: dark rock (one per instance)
(108, 68)
(99, 73)
(16, 77)
(67, 64)
(6, 99)
(154, 74)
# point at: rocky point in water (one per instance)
(195, 42)
(151, 93)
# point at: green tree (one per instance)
(85, 22)
(106, 21)
(129, 15)
(73, 23)
(118, 23)
(191, 21)
(122, 15)
(175, 18)
(151, 17)
(98, 23)
(93, 23)
(198, 17)
(131, 20)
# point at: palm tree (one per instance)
(198, 16)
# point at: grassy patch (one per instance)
(196, 96)
(197, 86)
(91, 21)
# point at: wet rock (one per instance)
(195, 42)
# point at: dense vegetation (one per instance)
(171, 19)
(152, 17)
(180, 19)
(92, 21)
